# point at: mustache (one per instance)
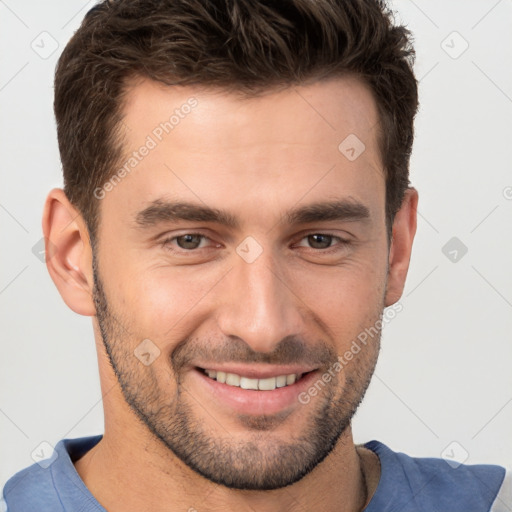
(290, 350)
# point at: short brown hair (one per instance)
(244, 46)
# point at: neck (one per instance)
(133, 473)
(131, 470)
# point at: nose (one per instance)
(259, 305)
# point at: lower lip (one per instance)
(251, 401)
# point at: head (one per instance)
(236, 198)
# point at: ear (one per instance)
(404, 229)
(68, 252)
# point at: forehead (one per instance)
(341, 106)
(302, 143)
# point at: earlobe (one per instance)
(68, 252)
(404, 229)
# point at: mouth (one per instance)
(256, 384)
(253, 390)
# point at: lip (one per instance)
(255, 371)
(249, 401)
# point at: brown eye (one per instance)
(189, 241)
(320, 241)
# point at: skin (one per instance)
(297, 302)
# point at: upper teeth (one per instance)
(232, 379)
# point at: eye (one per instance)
(321, 241)
(188, 241)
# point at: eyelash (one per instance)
(168, 241)
(341, 242)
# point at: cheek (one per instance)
(159, 303)
(347, 299)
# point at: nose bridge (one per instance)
(259, 307)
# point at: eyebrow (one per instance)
(160, 210)
(342, 210)
(165, 211)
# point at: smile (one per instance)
(240, 381)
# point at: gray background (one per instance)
(443, 385)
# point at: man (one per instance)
(236, 212)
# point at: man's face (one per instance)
(244, 241)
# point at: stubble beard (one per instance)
(261, 461)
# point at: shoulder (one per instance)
(52, 484)
(425, 484)
(29, 488)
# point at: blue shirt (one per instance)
(406, 484)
